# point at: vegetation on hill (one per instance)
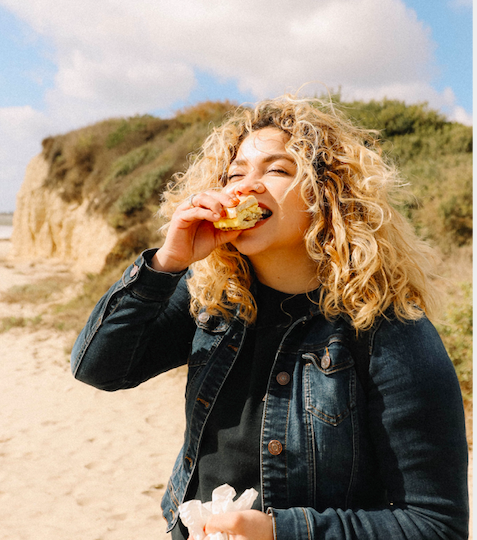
(122, 165)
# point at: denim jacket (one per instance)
(341, 457)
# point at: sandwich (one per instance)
(243, 216)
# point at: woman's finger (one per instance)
(214, 200)
(190, 215)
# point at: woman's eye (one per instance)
(278, 171)
(232, 177)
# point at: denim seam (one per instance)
(133, 355)
(311, 458)
(86, 344)
(286, 443)
(274, 523)
(373, 336)
(172, 493)
(307, 523)
(355, 440)
(264, 418)
(328, 419)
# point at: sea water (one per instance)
(6, 232)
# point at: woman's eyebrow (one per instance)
(276, 157)
(269, 159)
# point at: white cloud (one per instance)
(136, 56)
(117, 57)
(459, 114)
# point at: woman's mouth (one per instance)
(266, 213)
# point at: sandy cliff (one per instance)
(45, 226)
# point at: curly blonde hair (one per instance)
(367, 256)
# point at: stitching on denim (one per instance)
(271, 513)
(172, 494)
(373, 335)
(338, 367)
(205, 403)
(311, 458)
(200, 365)
(307, 524)
(87, 343)
(304, 347)
(139, 340)
(355, 441)
(334, 367)
(261, 445)
(211, 350)
(328, 419)
(286, 441)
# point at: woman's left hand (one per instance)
(245, 525)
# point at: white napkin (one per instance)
(194, 514)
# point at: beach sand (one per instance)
(78, 463)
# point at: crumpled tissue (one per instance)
(194, 514)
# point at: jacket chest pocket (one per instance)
(329, 384)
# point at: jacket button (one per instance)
(326, 361)
(203, 317)
(283, 378)
(275, 447)
(134, 270)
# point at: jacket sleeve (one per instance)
(141, 327)
(416, 424)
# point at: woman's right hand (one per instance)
(191, 235)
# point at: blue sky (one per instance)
(67, 64)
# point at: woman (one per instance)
(314, 374)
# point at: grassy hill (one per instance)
(122, 165)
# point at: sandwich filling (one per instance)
(243, 216)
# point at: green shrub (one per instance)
(84, 152)
(456, 333)
(210, 112)
(118, 135)
(139, 193)
(126, 164)
(146, 124)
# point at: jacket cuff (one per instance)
(149, 284)
(290, 523)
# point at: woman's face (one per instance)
(265, 169)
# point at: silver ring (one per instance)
(191, 200)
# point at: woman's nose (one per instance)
(247, 186)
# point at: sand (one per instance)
(77, 463)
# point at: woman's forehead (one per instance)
(262, 144)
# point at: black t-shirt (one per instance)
(230, 448)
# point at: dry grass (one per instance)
(7, 323)
(42, 291)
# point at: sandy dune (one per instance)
(78, 463)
